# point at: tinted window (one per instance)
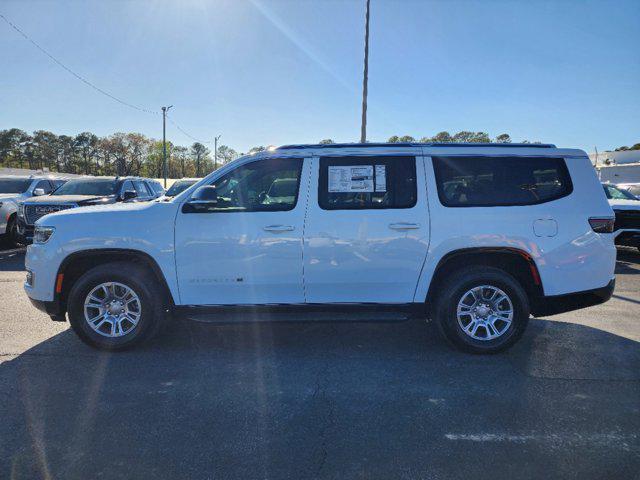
(179, 187)
(14, 185)
(100, 186)
(493, 181)
(267, 185)
(615, 193)
(141, 189)
(349, 183)
(44, 185)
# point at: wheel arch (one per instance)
(514, 261)
(77, 263)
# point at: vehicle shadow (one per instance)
(299, 400)
(12, 260)
(628, 261)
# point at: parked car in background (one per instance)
(180, 186)
(626, 207)
(81, 192)
(157, 187)
(13, 190)
(632, 188)
(477, 237)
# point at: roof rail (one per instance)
(415, 144)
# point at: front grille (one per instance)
(34, 212)
(627, 219)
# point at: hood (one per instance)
(80, 200)
(9, 196)
(624, 204)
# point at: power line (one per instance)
(186, 133)
(78, 76)
(96, 88)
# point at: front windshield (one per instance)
(179, 187)
(615, 193)
(14, 185)
(88, 187)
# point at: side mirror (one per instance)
(38, 192)
(129, 195)
(204, 199)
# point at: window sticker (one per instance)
(351, 179)
(381, 178)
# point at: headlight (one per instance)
(42, 234)
(21, 210)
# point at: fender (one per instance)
(65, 278)
(484, 256)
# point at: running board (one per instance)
(298, 313)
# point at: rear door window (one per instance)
(500, 181)
(361, 183)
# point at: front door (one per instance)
(247, 250)
(367, 230)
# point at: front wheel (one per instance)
(482, 310)
(15, 240)
(115, 306)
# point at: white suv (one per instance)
(477, 237)
(16, 189)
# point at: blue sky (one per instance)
(273, 72)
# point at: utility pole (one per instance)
(215, 152)
(363, 130)
(164, 143)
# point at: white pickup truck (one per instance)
(477, 237)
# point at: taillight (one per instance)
(602, 224)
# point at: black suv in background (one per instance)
(82, 192)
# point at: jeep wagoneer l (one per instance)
(477, 237)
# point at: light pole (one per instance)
(363, 128)
(215, 152)
(164, 143)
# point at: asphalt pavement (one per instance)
(322, 400)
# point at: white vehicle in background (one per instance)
(15, 189)
(626, 208)
(476, 236)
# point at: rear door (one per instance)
(367, 229)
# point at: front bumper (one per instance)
(25, 232)
(54, 309)
(555, 304)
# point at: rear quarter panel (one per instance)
(573, 260)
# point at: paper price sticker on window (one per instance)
(381, 178)
(351, 179)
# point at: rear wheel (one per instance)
(115, 306)
(482, 310)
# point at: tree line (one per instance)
(445, 137)
(136, 154)
(117, 154)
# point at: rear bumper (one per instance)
(554, 304)
(628, 238)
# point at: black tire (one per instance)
(452, 291)
(13, 237)
(135, 277)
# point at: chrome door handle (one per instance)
(404, 226)
(278, 228)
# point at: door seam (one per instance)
(304, 225)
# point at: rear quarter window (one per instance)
(500, 181)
